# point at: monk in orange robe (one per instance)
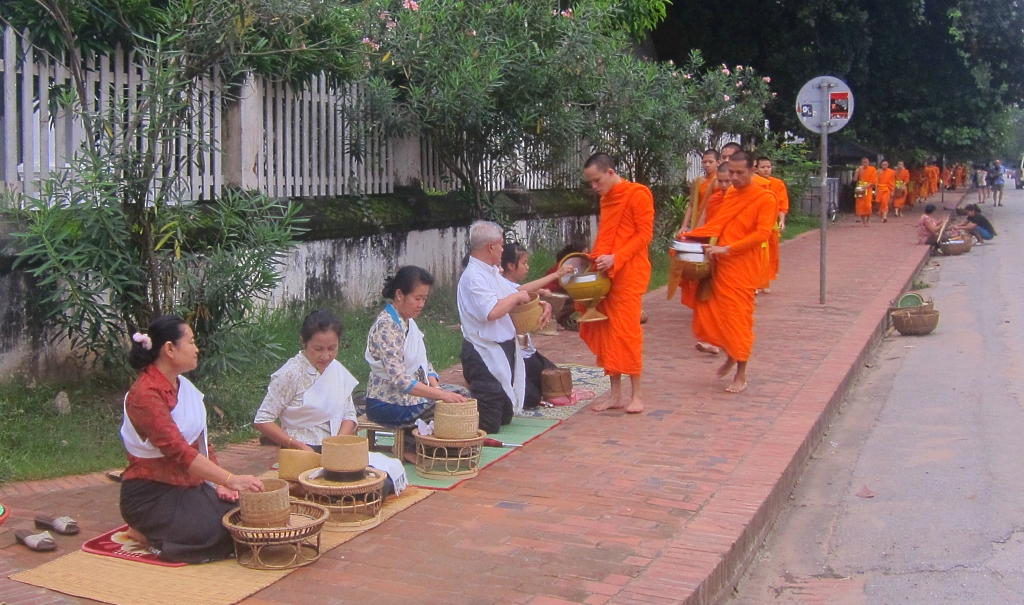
(688, 286)
(624, 232)
(778, 187)
(765, 280)
(701, 191)
(866, 178)
(945, 176)
(743, 222)
(923, 184)
(933, 180)
(961, 175)
(886, 187)
(901, 192)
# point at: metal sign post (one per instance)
(824, 105)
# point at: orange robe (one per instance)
(933, 180)
(699, 196)
(886, 185)
(766, 261)
(902, 180)
(688, 286)
(960, 175)
(778, 187)
(744, 222)
(626, 229)
(868, 175)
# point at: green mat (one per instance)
(522, 430)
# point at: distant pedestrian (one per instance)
(996, 179)
(977, 225)
(981, 183)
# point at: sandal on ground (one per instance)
(42, 542)
(62, 525)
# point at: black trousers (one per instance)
(493, 404)
(535, 365)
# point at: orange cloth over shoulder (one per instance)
(688, 286)
(869, 175)
(765, 279)
(886, 186)
(902, 180)
(626, 229)
(778, 187)
(743, 223)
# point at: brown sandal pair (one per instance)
(44, 542)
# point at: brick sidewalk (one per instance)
(664, 507)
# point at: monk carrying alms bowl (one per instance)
(585, 285)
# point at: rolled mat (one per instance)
(125, 582)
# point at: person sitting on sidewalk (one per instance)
(977, 225)
(928, 228)
(515, 265)
(173, 493)
(492, 361)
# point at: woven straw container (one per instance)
(269, 508)
(526, 316)
(456, 420)
(292, 463)
(914, 322)
(955, 248)
(556, 382)
(345, 453)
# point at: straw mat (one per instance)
(122, 582)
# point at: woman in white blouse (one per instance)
(311, 394)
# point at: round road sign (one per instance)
(824, 103)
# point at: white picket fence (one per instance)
(302, 140)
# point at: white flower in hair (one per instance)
(143, 339)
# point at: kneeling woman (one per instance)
(402, 385)
(311, 395)
(168, 493)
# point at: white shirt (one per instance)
(480, 288)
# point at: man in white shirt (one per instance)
(492, 361)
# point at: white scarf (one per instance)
(512, 380)
(189, 414)
(325, 401)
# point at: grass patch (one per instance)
(797, 223)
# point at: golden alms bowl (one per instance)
(585, 285)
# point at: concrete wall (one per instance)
(352, 270)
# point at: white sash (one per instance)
(325, 401)
(415, 353)
(497, 363)
(189, 414)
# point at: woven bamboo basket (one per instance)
(526, 316)
(448, 457)
(292, 463)
(556, 382)
(456, 420)
(295, 545)
(345, 456)
(914, 323)
(955, 248)
(269, 508)
(354, 506)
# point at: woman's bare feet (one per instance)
(136, 535)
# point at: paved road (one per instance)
(935, 428)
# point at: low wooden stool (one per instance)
(372, 428)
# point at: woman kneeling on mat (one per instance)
(168, 493)
(403, 385)
(311, 396)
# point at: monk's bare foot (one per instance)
(704, 347)
(726, 367)
(136, 535)
(737, 386)
(635, 406)
(766, 290)
(606, 402)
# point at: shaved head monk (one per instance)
(778, 187)
(886, 187)
(866, 179)
(902, 191)
(624, 232)
(742, 224)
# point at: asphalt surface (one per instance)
(933, 433)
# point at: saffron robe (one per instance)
(626, 229)
(886, 186)
(778, 187)
(765, 279)
(744, 222)
(868, 175)
(688, 286)
(700, 192)
(902, 180)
